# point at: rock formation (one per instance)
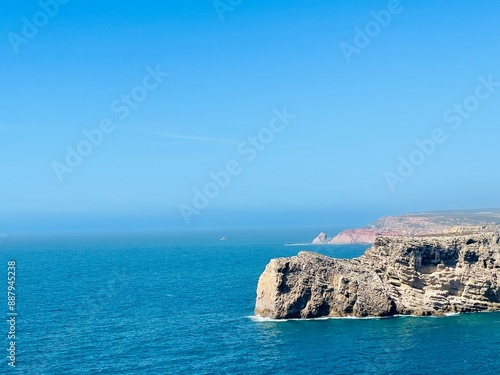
(322, 239)
(430, 275)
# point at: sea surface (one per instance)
(182, 303)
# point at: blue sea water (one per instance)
(182, 303)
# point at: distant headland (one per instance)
(424, 223)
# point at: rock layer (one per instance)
(431, 275)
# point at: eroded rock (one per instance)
(431, 275)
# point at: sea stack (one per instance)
(427, 275)
(322, 239)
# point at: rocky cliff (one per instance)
(431, 275)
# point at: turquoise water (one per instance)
(183, 304)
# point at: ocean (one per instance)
(182, 303)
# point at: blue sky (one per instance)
(225, 78)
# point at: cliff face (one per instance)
(355, 236)
(397, 275)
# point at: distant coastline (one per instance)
(417, 224)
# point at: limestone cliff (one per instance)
(431, 275)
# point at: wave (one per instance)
(257, 318)
(260, 319)
(298, 244)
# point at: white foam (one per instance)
(257, 318)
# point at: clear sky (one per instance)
(65, 67)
